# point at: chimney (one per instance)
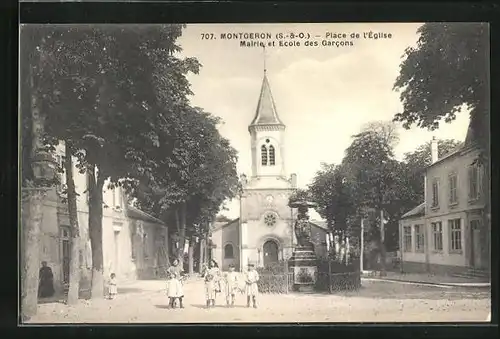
(293, 180)
(434, 150)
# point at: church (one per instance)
(264, 232)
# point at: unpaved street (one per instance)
(145, 302)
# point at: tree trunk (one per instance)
(202, 255)
(382, 245)
(182, 233)
(31, 228)
(31, 253)
(167, 249)
(191, 256)
(74, 268)
(96, 183)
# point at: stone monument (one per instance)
(303, 263)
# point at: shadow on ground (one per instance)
(125, 290)
(218, 306)
(388, 290)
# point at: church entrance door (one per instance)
(270, 250)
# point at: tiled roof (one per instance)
(266, 113)
(416, 212)
(219, 225)
(135, 213)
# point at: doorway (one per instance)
(476, 248)
(116, 238)
(270, 251)
(66, 253)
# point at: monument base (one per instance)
(303, 265)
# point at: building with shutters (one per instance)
(134, 243)
(449, 233)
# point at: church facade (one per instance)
(264, 232)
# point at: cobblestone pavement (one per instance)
(145, 302)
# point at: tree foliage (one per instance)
(192, 175)
(331, 190)
(447, 69)
(102, 88)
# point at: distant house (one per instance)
(448, 233)
(133, 242)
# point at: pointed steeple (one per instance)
(266, 113)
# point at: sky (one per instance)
(323, 94)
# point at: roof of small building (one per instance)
(320, 224)
(135, 213)
(266, 113)
(220, 225)
(416, 212)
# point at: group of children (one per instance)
(215, 282)
(229, 282)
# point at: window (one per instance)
(61, 173)
(455, 235)
(419, 238)
(263, 152)
(87, 189)
(272, 159)
(117, 201)
(437, 232)
(270, 219)
(407, 238)
(435, 193)
(474, 224)
(145, 248)
(452, 182)
(228, 252)
(133, 242)
(474, 182)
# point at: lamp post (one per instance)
(44, 173)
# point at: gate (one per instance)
(335, 276)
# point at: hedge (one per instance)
(274, 278)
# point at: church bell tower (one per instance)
(267, 136)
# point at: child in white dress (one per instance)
(212, 277)
(251, 288)
(231, 284)
(112, 286)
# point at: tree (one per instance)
(418, 160)
(74, 270)
(37, 172)
(102, 89)
(299, 195)
(331, 190)
(448, 69)
(372, 171)
(194, 174)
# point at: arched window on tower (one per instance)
(228, 251)
(272, 159)
(263, 151)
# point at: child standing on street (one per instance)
(251, 288)
(175, 288)
(112, 286)
(212, 283)
(231, 284)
